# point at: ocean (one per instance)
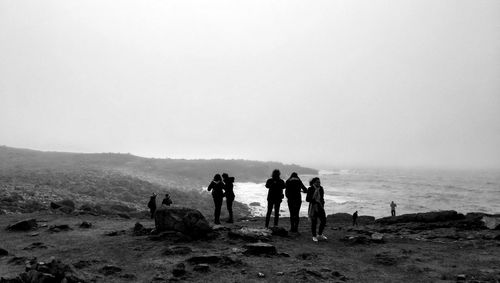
(370, 191)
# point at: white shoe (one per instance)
(321, 237)
(315, 239)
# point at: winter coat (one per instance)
(275, 186)
(293, 188)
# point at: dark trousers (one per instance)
(152, 211)
(393, 212)
(354, 222)
(218, 206)
(270, 205)
(294, 207)
(322, 222)
(229, 203)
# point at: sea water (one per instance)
(370, 191)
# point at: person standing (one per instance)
(228, 189)
(393, 208)
(166, 201)
(217, 188)
(315, 197)
(294, 187)
(274, 196)
(355, 218)
(152, 205)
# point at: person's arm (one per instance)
(302, 187)
(310, 193)
(211, 186)
(268, 184)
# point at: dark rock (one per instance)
(214, 259)
(260, 249)
(65, 209)
(25, 225)
(140, 230)
(203, 267)
(425, 217)
(307, 256)
(108, 270)
(177, 250)
(279, 231)
(59, 228)
(254, 204)
(116, 233)
(251, 234)
(305, 273)
(86, 224)
(179, 270)
(34, 276)
(84, 263)
(123, 215)
(356, 240)
(3, 252)
(11, 280)
(19, 260)
(188, 221)
(36, 245)
(66, 206)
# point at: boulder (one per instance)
(24, 225)
(54, 271)
(140, 230)
(279, 231)
(425, 217)
(377, 238)
(66, 206)
(260, 249)
(3, 252)
(491, 222)
(179, 270)
(110, 270)
(251, 234)
(85, 224)
(188, 221)
(59, 228)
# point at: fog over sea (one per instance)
(370, 191)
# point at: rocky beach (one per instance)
(183, 246)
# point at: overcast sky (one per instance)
(318, 83)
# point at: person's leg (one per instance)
(297, 217)
(218, 206)
(314, 222)
(290, 208)
(393, 212)
(269, 211)
(276, 212)
(229, 203)
(322, 223)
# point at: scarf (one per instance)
(315, 204)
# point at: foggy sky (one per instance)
(318, 83)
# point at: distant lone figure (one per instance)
(166, 201)
(315, 197)
(274, 196)
(393, 208)
(228, 189)
(152, 205)
(217, 188)
(294, 187)
(355, 218)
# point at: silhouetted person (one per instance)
(393, 208)
(166, 201)
(294, 187)
(228, 189)
(355, 218)
(274, 196)
(217, 188)
(315, 197)
(152, 205)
